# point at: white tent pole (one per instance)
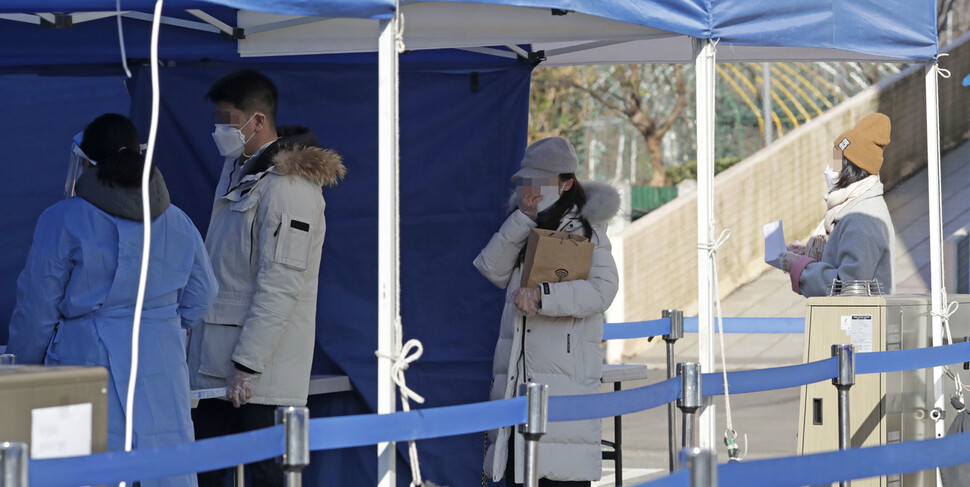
(766, 103)
(387, 237)
(704, 66)
(936, 226)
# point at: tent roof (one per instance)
(568, 31)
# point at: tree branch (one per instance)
(681, 86)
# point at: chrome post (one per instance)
(676, 333)
(534, 428)
(296, 455)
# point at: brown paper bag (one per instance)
(552, 256)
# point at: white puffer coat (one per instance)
(265, 242)
(560, 346)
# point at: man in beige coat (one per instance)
(265, 238)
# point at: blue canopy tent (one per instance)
(463, 115)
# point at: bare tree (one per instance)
(651, 97)
(555, 108)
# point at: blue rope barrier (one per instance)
(912, 359)
(753, 325)
(855, 463)
(371, 429)
(153, 463)
(636, 329)
(350, 431)
(676, 479)
(608, 404)
(712, 384)
(643, 329)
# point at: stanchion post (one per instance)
(843, 382)
(690, 398)
(8, 359)
(13, 464)
(296, 455)
(534, 428)
(701, 466)
(676, 333)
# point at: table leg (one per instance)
(618, 442)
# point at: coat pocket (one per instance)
(293, 243)
(218, 343)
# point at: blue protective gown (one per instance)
(75, 306)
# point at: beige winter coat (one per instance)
(265, 239)
(560, 346)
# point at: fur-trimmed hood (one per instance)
(602, 201)
(322, 166)
(298, 152)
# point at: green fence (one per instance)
(648, 198)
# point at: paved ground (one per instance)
(769, 418)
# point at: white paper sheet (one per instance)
(861, 329)
(774, 243)
(207, 393)
(60, 431)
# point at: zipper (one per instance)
(278, 226)
(567, 342)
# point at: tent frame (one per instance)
(388, 190)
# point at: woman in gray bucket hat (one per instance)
(551, 334)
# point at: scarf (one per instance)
(836, 201)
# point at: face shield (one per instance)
(79, 161)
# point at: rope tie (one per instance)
(944, 73)
(121, 39)
(948, 310)
(399, 34)
(406, 354)
(401, 359)
(730, 434)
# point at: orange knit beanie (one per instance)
(863, 144)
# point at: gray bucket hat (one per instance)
(547, 158)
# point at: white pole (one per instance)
(766, 103)
(704, 66)
(633, 158)
(620, 146)
(387, 237)
(936, 225)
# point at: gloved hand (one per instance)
(815, 247)
(796, 247)
(527, 299)
(239, 387)
(528, 204)
(787, 260)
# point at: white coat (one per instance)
(559, 346)
(265, 240)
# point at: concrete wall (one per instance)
(783, 181)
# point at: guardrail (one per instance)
(369, 429)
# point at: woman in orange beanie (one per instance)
(855, 240)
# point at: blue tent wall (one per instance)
(458, 149)
(41, 115)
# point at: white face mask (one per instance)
(831, 178)
(230, 140)
(550, 195)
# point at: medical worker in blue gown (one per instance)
(76, 294)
